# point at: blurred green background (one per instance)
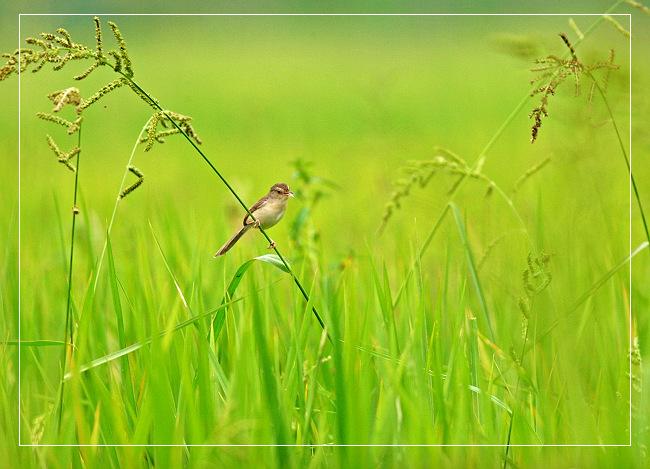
(264, 92)
(357, 97)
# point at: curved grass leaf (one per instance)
(34, 343)
(220, 318)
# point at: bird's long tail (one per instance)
(231, 242)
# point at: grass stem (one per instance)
(69, 329)
(624, 153)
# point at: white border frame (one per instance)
(628, 15)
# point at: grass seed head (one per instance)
(420, 172)
(619, 27)
(87, 72)
(536, 276)
(63, 157)
(62, 97)
(72, 127)
(124, 55)
(65, 38)
(164, 118)
(136, 184)
(103, 91)
(98, 36)
(59, 49)
(551, 72)
(639, 6)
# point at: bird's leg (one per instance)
(256, 224)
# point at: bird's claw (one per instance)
(256, 223)
(272, 245)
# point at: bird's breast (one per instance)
(270, 213)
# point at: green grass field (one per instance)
(492, 307)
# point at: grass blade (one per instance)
(471, 265)
(138, 345)
(220, 318)
(35, 343)
(117, 307)
(117, 304)
(599, 283)
(270, 384)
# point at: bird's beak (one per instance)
(290, 194)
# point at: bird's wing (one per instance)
(257, 205)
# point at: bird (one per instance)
(267, 211)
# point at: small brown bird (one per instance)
(267, 212)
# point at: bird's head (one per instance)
(280, 191)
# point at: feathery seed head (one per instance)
(165, 118)
(71, 126)
(62, 97)
(124, 55)
(136, 184)
(552, 71)
(63, 157)
(103, 91)
(420, 172)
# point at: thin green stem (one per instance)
(521, 361)
(514, 210)
(232, 191)
(505, 457)
(69, 329)
(624, 152)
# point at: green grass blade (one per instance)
(599, 283)
(220, 318)
(35, 343)
(471, 265)
(117, 304)
(270, 385)
(169, 270)
(382, 289)
(471, 338)
(119, 316)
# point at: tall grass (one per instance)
(459, 341)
